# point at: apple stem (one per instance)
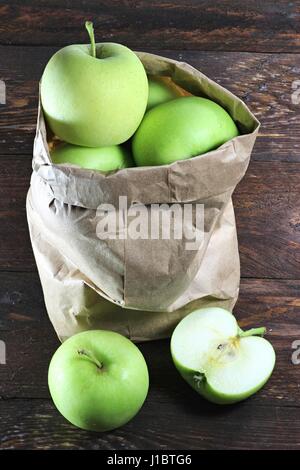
(90, 30)
(90, 356)
(253, 331)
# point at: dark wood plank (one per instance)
(263, 81)
(192, 24)
(15, 247)
(15, 172)
(268, 223)
(165, 424)
(21, 301)
(267, 206)
(174, 416)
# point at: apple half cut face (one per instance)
(220, 361)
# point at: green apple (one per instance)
(94, 95)
(219, 360)
(93, 158)
(180, 129)
(98, 380)
(161, 91)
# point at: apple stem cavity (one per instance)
(91, 357)
(90, 30)
(252, 332)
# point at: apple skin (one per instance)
(94, 101)
(181, 129)
(104, 159)
(160, 92)
(203, 387)
(93, 398)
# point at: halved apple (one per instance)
(219, 360)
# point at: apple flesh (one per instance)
(103, 159)
(94, 95)
(180, 129)
(161, 91)
(98, 380)
(219, 360)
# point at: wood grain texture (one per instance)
(29, 419)
(192, 424)
(268, 221)
(263, 81)
(266, 26)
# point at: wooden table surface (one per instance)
(254, 51)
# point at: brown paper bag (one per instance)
(139, 287)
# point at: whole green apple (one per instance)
(94, 95)
(98, 380)
(101, 158)
(219, 360)
(180, 129)
(160, 91)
